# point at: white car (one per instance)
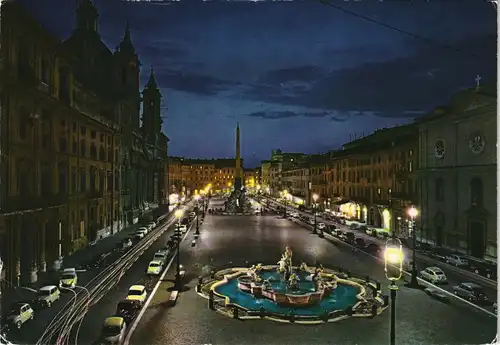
(161, 255)
(144, 228)
(68, 278)
(321, 226)
(137, 293)
(47, 295)
(152, 225)
(139, 234)
(434, 275)
(20, 313)
(183, 228)
(456, 260)
(155, 267)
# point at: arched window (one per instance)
(439, 189)
(63, 179)
(93, 151)
(102, 154)
(476, 192)
(83, 148)
(83, 180)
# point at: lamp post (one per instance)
(413, 213)
(393, 258)
(268, 191)
(178, 214)
(285, 195)
(315, 199)
(197, 198)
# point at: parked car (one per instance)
(128, 310)
(457, 260)
(137, 293)
(439, 253)
(360, 243)
(155, 267)
(471, 292)
(126, 243)
(434, 275)
(321, 226)
(20, 313)
(374, 249)
(161, 255)
(483, 268)
(47, 295)
(113, 331)
(139, 234)
(182, 228)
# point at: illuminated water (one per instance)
(341, 298)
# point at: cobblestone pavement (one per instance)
(420, 319)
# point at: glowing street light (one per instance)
(315, 199)
(393, 258)
(178, 215)
(413, 213)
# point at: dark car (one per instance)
(471, 292)
(440, 253)
(483, 268)
(128, 309)
(350, 237)
(360, 243)
(374, 249)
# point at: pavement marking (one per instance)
(306, 226)
(151, 296)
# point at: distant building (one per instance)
(189, 175)
(279, 162)
(458, 173)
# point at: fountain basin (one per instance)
(238, 289)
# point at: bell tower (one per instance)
(127, 69)
(151, 112)
(87, 17)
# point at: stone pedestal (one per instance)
(33, 276)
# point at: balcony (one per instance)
(33, 203)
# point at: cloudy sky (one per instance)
(298, 75)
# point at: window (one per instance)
(74, 184)
(101, 181)
(410, 166)
(102, 154)
(62, 180)
(93, 134)
(476, 192)
(23, 182)
(83, 180)
(93, 177)
(93, 151)
(117, 179)
(75, 147)
(63, 145)
(110, 181)
(83, 130)
(44, 77)
(83, 148)
(46, 182)
(102, 138)
(24, 115)
(439, 188)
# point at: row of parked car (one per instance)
(115, 327)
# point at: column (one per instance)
(41, 247)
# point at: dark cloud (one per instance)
(294, 74)
(388, 89)
(274, 115)
(165, 52)
(191, 82)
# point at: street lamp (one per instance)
(197, 198)
(285, 195)
(178, 214)
(393, 258)
(413, 213)
(315, 198)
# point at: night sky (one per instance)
(298, 75)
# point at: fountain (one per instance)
(281, 290)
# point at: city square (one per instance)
(249, 172)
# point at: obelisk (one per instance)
(237, 170)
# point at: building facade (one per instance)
(64, 124)
(373, 179)
(458, 173)
(265, 174)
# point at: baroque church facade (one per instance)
(457, 173)
(78, 162)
